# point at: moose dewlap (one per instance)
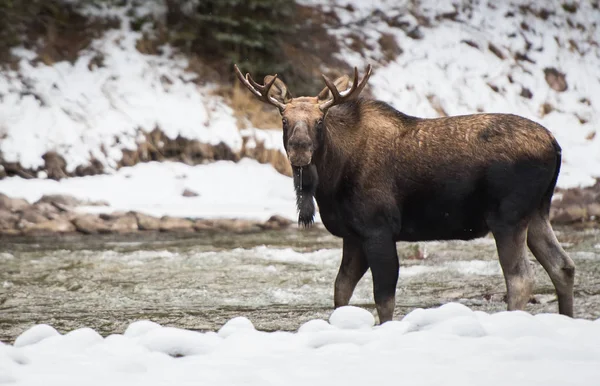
(380, 176)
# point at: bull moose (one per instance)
(380, 176)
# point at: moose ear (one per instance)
(342, 83)
(279, 90)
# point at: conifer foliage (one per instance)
(247, 32)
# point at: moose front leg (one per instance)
(352, 269)
(380, 249)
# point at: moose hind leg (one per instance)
(380, 250)
(352, 269)
(559, 266)
(518, 274)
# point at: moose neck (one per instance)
(340, 143)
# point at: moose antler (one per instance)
(350, 94)
(261, 91)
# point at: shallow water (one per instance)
(277, 279)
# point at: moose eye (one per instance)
(285, 122)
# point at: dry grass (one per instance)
(248, 109)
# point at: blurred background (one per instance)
(89, 87)
(125, 117)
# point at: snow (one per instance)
(441, 69)
(351, 317)
(79, 109)
(82, 110)
(449, 345)
(246, 189)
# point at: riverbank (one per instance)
(66, 214)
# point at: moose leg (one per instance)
(561, 269)
(518, 274)
(380, 250)
(353, 267)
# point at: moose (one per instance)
(380, 176)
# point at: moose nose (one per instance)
(301, 143)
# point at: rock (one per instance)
(55, 165)
(111, 216)
(189, 193)
(276, 222)
(594, 211)
(46, 209)
(174, 224)
(555, 79)
(60, 225)
(12, 204)
(60, 200)
(204, 225)
(90, 224)
(32, 216)
(236, 225)
(147, 223)
(125, 224)
(8, 222)
(569, 215)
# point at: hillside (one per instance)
(117, 104)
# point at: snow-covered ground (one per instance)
(450, 345)
(85, 109)
(225, 189)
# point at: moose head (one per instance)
(303, 117)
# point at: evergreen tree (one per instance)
(247, 32)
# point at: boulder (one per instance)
(8, 222)
(276, 222)
(60, 200)
(32, 216)
(90, 224)
(12, 204)
(174, 224)
(237, 225)
(189, 193)
(127, 223)
(55, 165)
(594, 211)
(46, 209)
(569, 214)
(60, 225)
(146, 223)
(201, 225)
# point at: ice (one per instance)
(351, 317)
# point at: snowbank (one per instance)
(449, 345)
(246, 190)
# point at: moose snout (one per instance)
(300, 151)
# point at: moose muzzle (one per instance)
(300, 146)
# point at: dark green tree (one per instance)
(247, 32)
